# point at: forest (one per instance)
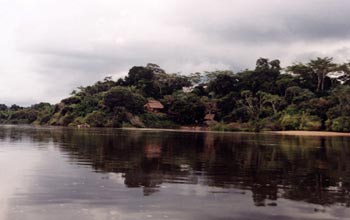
(314, 95)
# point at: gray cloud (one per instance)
(49, 47)
(278, 23)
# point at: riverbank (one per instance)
(311, 133)
(206, 130)
(202, 130)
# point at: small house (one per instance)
(209, 119)
(153, 106)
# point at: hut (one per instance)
(209, 119)
(153, 106)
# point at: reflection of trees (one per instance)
(146, 159)
(310, 169)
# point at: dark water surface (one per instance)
(57, 173)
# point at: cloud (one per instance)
(51, 47)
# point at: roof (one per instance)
(154, 104)
(209, 117)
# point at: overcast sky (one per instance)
(50, 47)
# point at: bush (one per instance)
(96, 119)
(123, 97)
(45, 119)
(340, 124)
(114, 123)
(156, 120)
(290, 122)
(269, 125)
(310, 123)
(71, 100)
(187, 109)
(233, 126)
(301, 122)
(221, 127)
(24, 116)
(65, 120)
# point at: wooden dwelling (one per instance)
(153, 106)
(209, 119)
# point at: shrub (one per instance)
(96, 119)
(65, 120)
(310, 123)
(123, 97)
(221, 127)
(156, 120)
(290, 122)
(71, 100)
(233, 126)
(187, 109)
(300, 122)
(340, 124)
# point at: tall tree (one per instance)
(321, 67)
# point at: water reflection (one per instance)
(314, 170)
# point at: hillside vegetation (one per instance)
(303, 96)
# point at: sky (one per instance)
(50, 47)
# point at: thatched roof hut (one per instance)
(209, 117)
(153, 105)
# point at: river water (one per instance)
(61, 173)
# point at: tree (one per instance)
(274, 101)
(187, 108)
(138, 73)
(124, 97)
(342, 96)
(253, 105)
(15, 107)
(303, 75)
(3, 107)
(322, 66)
(169, 83)
(263, 64)
(318, 68)
(297, 95)
(223, 83)
(263, 78)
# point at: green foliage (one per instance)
(87, 105)
(155, 120)
(3, 107)
(66, 120)
(223, 83)
(96, 119)
(303, 98)
(230, 127)
(301, 121)
(290, 122)
(23, 116)
(71, 100)
(124, 97)
(310, 123)
(187, 109)
(340, 124)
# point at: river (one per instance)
(63, 173)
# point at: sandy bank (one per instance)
(206, 130)
(311, 133)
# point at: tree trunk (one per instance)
(322, 84)
(319, 82)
